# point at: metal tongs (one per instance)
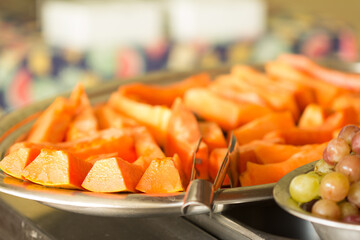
(199, 195)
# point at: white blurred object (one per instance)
(216, 21)
(96, 24)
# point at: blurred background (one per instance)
(47, 46)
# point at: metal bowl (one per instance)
(326, 229)
(17, 123)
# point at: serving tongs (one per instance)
(199, 195)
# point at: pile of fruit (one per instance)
(332, 189)
(143, 138)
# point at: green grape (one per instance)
(315, 174)
(304, 187)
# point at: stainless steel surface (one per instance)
(327, 229)
(14, 125)
(258, 220)
(23, 219)
(198, 197)
(200, 192)
(193, 168)
(26, 219)
(223, 170)
(13, 225)
(233, 161)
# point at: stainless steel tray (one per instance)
(18, 122)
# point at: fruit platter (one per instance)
(125, 148)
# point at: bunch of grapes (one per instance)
(332, 189)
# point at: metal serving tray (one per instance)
(17, 123)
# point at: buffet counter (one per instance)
(27, 219)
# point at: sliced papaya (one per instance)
(14, 163)
(108, 117)
(347, 100)
(84, 122)
(182, 139)
(112, 175)
(83, 125)
(52, 124)
(146, 147)
(313, 116)
(299, 136)
(215, 160)
(226, 113)
(111, 140)
(162, 176)
(57, 168)
(164, 94)
(155, 118)
(303, 94)
(257, 174)
(224, 87)
(247, 152)
(350, 81)
(94, 158)
(324, 92)
(18, 145)
(280, 98)
(340, 118)
(259, 127)
(274, 153)
(212, 135)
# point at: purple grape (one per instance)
(350, 166)
(354, 219)
(348, 132)
(336, 149)
(308, 205)
(348, 209)
(334, 186)
(327, 209)
(355, 142)
(354, 194)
